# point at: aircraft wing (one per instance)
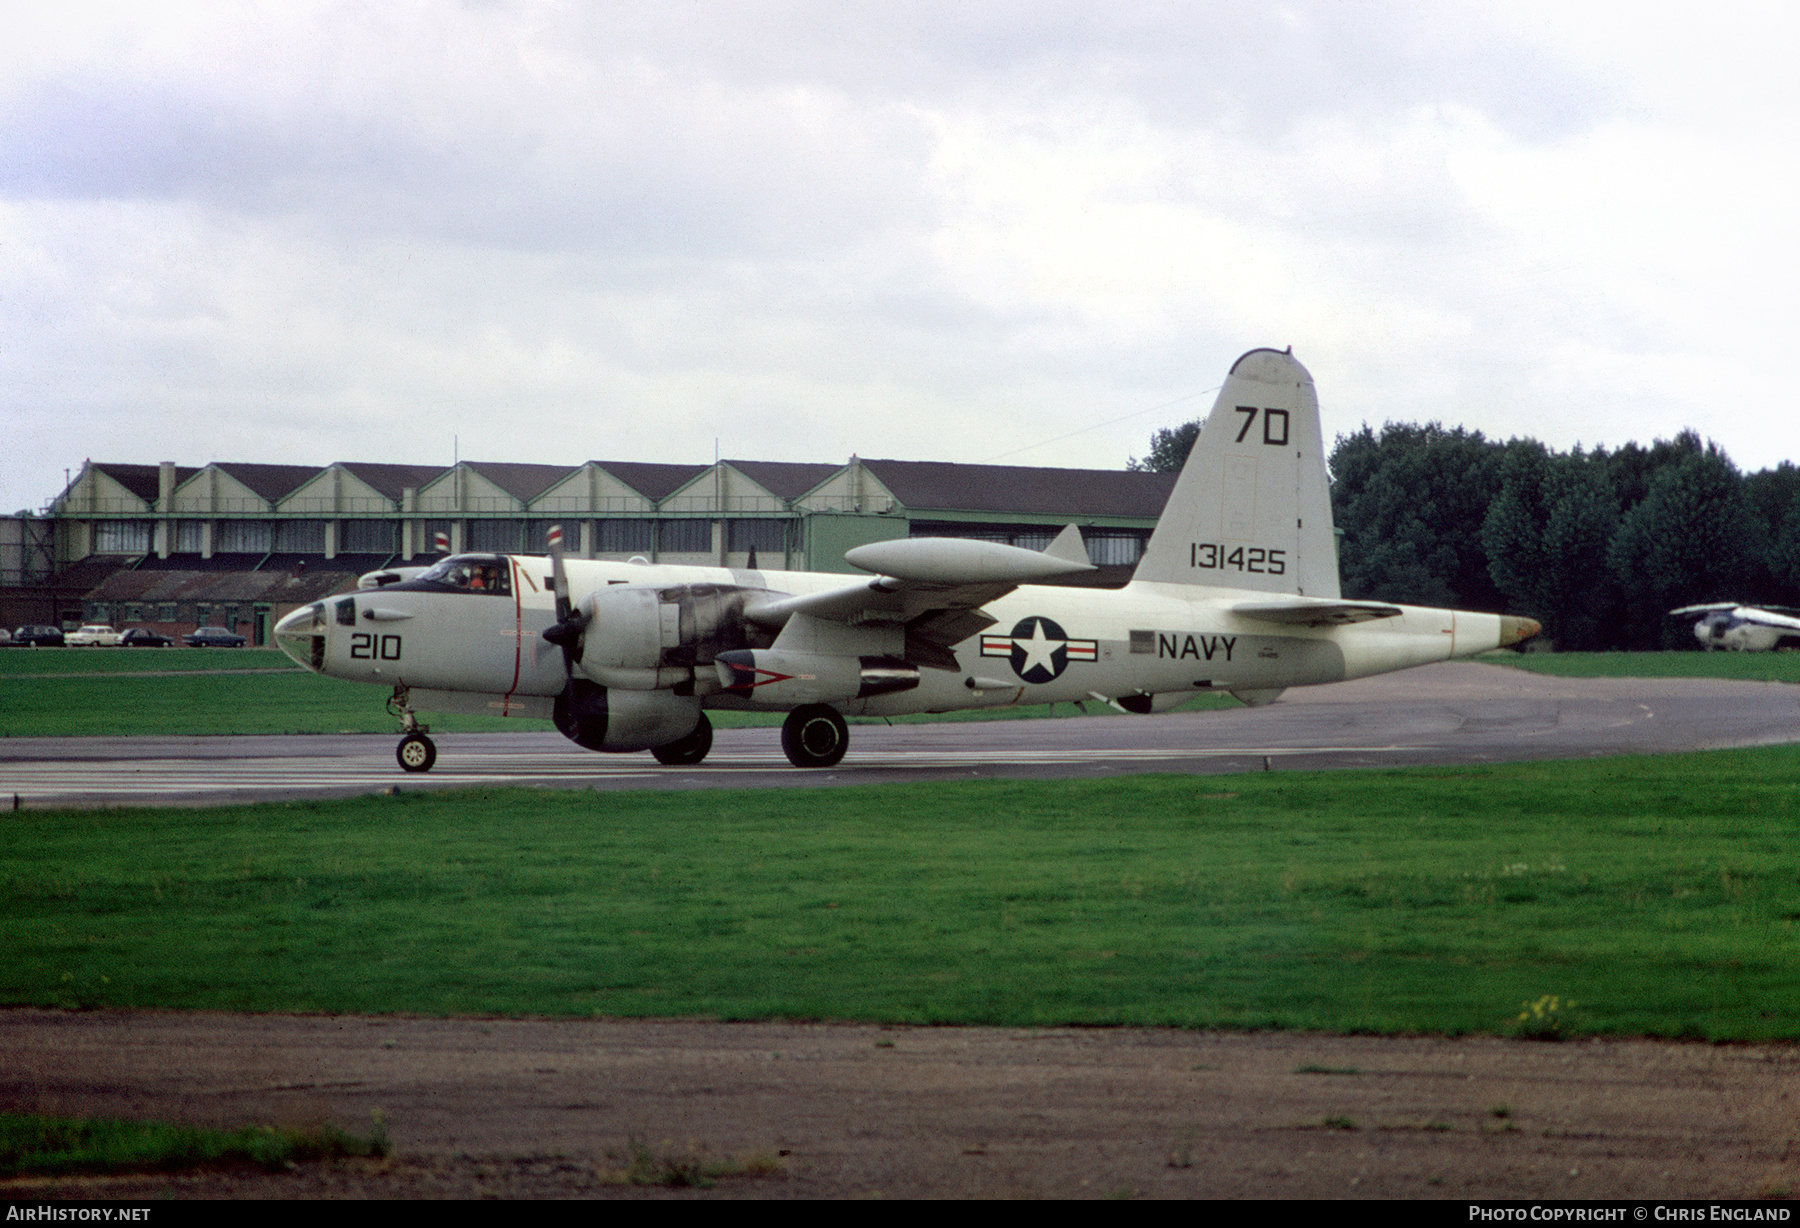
(1781, 616)
(1767, 618)
(1299, 612)
(934, 587)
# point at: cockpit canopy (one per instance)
(471, 573)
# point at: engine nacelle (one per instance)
(624, 630)
(783, 679)
(610, 720)
(640, 638)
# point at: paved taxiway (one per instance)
(1455, 713)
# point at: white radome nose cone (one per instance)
(293, 635)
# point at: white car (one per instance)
(98, 635)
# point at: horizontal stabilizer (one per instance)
(1300, 613)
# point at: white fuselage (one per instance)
(1237, 590)
(1727, 630)
(1049, 644)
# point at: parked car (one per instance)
(5, 637)
(137, 637)
(213, 637)
(94, 635)
(38, 637)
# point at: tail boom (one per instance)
(1420, 636)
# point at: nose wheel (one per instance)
(416, 753)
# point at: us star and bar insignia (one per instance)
(1039, 649)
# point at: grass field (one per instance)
(25, 662)
(30, 1143)
(1650, 896)
(1742, 666)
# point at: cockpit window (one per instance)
(473, 573)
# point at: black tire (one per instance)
(416, 753)
(685, 752)
(814, 736)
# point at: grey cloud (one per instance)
(618, 158)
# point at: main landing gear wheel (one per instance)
(685, 752)
(416, 753)
(814, 736)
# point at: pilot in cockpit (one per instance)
(471, 575)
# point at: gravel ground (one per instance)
(549, 1108)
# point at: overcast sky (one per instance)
(964, 230)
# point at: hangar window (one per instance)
(686, 536)
(1114, 548)
(496, 534)
(189, 536)
(622, 536)
(763, 536)
(366, 536)
(300, 536)
(243, 537)
(122, 537)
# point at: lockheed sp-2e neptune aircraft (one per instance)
(1237, 591)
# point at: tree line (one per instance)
(1597, 545)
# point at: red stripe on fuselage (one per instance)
(518, 633)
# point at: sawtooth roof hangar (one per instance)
(236, 543)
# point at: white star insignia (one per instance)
(1038, 649)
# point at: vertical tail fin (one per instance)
(1252, 507)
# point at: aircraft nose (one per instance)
(294, 634)
(1514, 629)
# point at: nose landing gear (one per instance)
(416, 752)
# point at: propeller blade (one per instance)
(570, 622)
(559, 576)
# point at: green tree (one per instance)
(1410, 502)
(1784, 555)
(1547, 536)
(1632, 468)
(1169, 450)
(1692, 538)
(1512, 532)
(1774, 496)
(1584, 518)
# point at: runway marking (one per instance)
(47, 780)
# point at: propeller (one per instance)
(566, 632)
(580, 711)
